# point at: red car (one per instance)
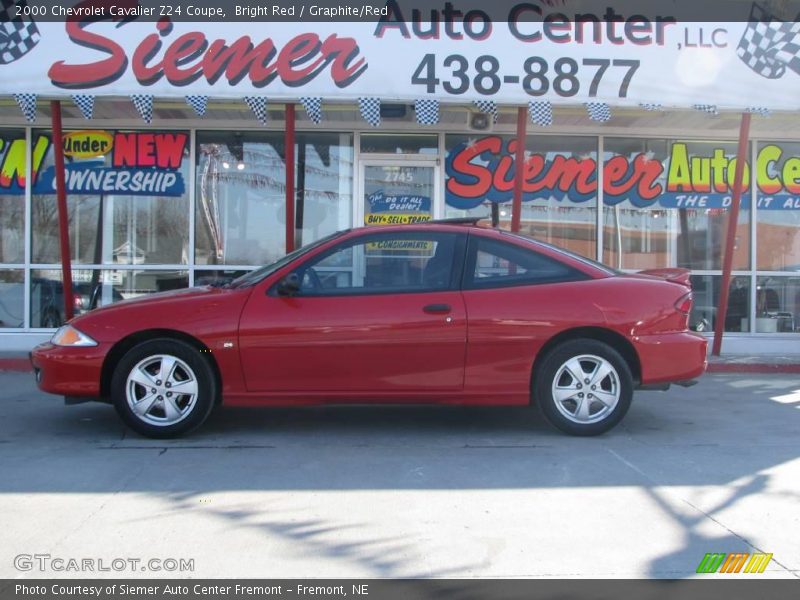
(442, 312)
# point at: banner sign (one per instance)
(121, 163)
(541, 51)
(483, 169)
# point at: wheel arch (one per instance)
(119, 350)
(607, 336)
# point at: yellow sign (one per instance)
(395, 218)
(87, 144)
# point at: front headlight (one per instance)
(67, 335)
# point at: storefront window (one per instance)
(12, 298)
(666, 204)
(777, 304)
(778, 198)
(241, 194)
(127, 197)
(93, 288)
(706, 289)
(559, 190)
(12, 196)
(323, 185)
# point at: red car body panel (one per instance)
(275, 350)
(69, 371)
(287, 343)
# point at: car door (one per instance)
(517, 298)
(379, 312)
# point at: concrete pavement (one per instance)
(409, 491)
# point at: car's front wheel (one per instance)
(583, 387)
(163, 388)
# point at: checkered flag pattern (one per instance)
(758, 110)
(198, 104)
(313, 106)
(18, 36)
(540, 112)
(258, 104)
(85, 104)
(768, 45)
(427, 111)
(144, 104)
(370, 109)
(598, 111)
(651, 106)
(488, 107)
(27, 104)
(709, 108)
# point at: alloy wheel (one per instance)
(586, 389)
(161, 390)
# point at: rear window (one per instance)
(493, 263)
(569, 253)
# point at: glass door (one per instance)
(394, 192)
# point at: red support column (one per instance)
(519, 167)
(730, 238)
(288, 142)
(63, 216)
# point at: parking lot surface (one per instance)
(407, 491)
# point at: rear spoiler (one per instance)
(676, 275)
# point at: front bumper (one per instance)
(671, 357)
(73, 372)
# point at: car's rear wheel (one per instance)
(583, 387)
(163, 388)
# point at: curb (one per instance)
(17, 365)
(753, 368)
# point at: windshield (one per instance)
(255, 276)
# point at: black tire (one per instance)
(590, 416)
(191, 372)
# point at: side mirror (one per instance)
(289, 285)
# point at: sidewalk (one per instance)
(760, 363)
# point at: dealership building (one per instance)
(188, 150)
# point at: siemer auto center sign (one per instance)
(441, 50)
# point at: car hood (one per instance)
(202, 312)
(160, 297)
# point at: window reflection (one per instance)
(675, 214)
(241, 194)
(12, 299)
(778, 197)
(112, 217)
(559, 202)
(92, 288)
(12, 196)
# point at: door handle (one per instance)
(437, 308)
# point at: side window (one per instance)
(492, 263)
(383, 263)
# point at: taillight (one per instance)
(684, 304)
(77, 302)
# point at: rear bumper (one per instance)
(68, 371)
(671, 357)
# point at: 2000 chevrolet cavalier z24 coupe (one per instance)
(442, 312)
